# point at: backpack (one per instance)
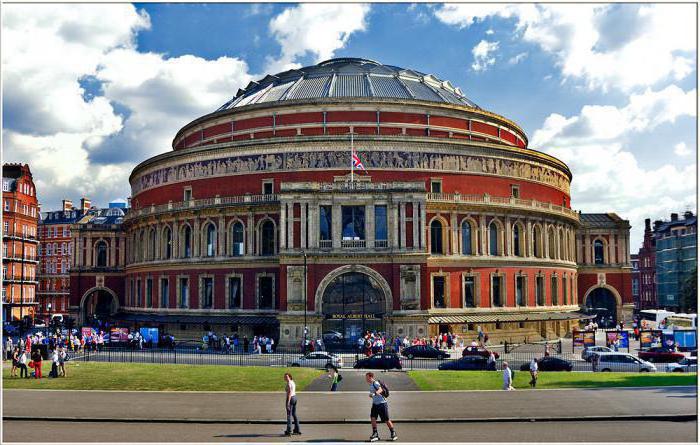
(340, 377)
(385, 389)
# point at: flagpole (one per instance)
(352, 162)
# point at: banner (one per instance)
(649, 339)
(149, 334)
(87, 332)
(588, 339)
(686, 339)
(578, 338)
(117, 335)
(617, 340)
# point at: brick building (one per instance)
(634, 259)
(676, 245)
(647, 269)
(20, 215)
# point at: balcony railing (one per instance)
(381, 243)
(500, 200)
(325, 244)
(203, 203)
(11, 234)
(353, 244)
(16, 257)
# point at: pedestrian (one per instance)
(533, 372)
(36, 360)
(9, 348)
(246, 343)
(15, 362)
(54, 364)
(62, 355)
(507, 378)
(594, 362)
(486, 339)
(291, 405)
(22, 364)
(491, 362)
(334, 375)
(380, 407)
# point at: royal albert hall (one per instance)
(256, 223)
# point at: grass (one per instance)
(466, 380)
(156, 377)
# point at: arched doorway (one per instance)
(98, 304)
(352, 303)
(602, 303)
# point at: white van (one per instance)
(620, 362)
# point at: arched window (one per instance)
(142, 247)
(237, 246)
(517, 251)
(267, 238)
(552, 244)
(493, 239)
(167, 243)
(187, 242)
(101, 259)
(210, 233)
(562, 245)
(598, 252)
(467, 239)
(152, 244)
(436, 246)
(537, 242)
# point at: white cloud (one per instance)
(517, 58)
(606, 46)
(607, 176)
(681, 149)
(482, 53)
(490, 32)
(316, 29)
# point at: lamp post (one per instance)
(306, 300)
(48, 306)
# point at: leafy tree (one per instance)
(689, 292)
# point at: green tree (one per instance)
(689, 292)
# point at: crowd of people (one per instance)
(229, 344)
(27, 354)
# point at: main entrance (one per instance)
(98, 304)
(601, 303)
(352, 304)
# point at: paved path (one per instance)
(639, 431)
(351, 406)
(355, 381)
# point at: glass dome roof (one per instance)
(348, 77)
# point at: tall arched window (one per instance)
(598, 252)
(537, 242)
(493, 239)
(152, 244)
(167, 243)
(210, 233)
(187, 242)
(516, 241)
(562, 245)
(552, 244)
(436, 246)
(237, 245)
(142, 246)
(467, 239)
(101, 259)
(267, 238)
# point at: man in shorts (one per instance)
(380, 408)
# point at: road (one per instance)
(605, 431)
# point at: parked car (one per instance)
(588, 352)
(661, 355)
(688, 364)
(474, 350)
(332, 337)
(468, 363)
(621, 362)
(379, 361)
(318, 360)
(423, 351)
(550, 364)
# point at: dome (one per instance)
(348, 77)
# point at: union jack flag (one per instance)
(356, 162)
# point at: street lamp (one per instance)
(48, 322)
(306, 299)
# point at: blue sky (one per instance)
(610, 89)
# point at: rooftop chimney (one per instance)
(84, 205)
(688, 214)
(647, 225)
(674, 216)
(657, 224)
(67, 204)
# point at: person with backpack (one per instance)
(335, 377)
(379, 392)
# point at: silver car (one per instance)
(688, 364)
(588, 352)
(318, 360)
(620, 362)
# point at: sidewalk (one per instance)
(342, 407)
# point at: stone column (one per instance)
(529, 239)
(303, 208)
(221, 237)
(313, 226)
(250, 236)
(423, 231)
(283, 227)
(587, 248)
(290, 225)
(122, 250)
(175, 252)
(369, 225)
(88, 252)
(196, 238)
(402, 223)
(416, 229)
(112, 251)
(454, 238)
(337, 233)
(482, 235)
(611, 249)
(507, 238)
(393, 225)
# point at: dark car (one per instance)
(550, 364)
(468, 363)
(423, 351)
(474, 350)
(661, 355)
(379, 361)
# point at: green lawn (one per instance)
(152, 377)
(465, 380)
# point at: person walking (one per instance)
(9, 348)
(334, 375)
(491, 362)
(507, 378)
(22, 364)
(62, 362)
(533, 372)
(54, 364)
(380, 408)
(15, 362)
(36, 360)
(291, 405)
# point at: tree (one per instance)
(689, 292)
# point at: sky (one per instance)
(91, 90)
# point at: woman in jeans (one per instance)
(291, 405)
(22, 363)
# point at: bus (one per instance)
(653, 319)
(682, 321)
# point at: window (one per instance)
(467, 238)
(497, 290)
(565, 288)
(353, 219)
(101, 260)
(435, 186)
(234, 293)
(149, 292)
(138, 292)
(380, 223)
(207, 292)
(268, 187)
(184, 293)
(539, 290)
(436, 246)
(132, 295)
(516, 240)
(552, 244)
(439, 292)
(469, 291)
(555, 290)
(7, 205)
(237, 245)
(265, 292)
(211, 239)
(598, 252)
(167, 243)
(493, 239)
(187, 194)
(152, 244)
(520, 290)
(187, 242)
(537, 242)
(515, 191)
(267, 238)
(325, 223)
